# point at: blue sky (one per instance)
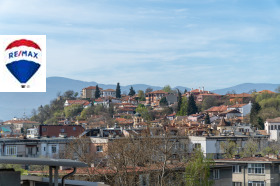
(210, 43)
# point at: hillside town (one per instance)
(150, 137)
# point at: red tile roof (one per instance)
(237, 105)
(92, 88)
(266, 91)
(171, 115)
(220, 108)
(78, 101)
(99, 100)
(223, 123)
(109, 90)
(242, 95)
(274, 120)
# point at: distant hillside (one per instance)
(15, 104)
(247, 87)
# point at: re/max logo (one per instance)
(23, 53)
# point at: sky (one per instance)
(191, 43)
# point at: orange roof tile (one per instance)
(237, 105)
(266, 91)
(242, 95)
(220, 108)
(92, 88)
(274, 120)
(78, 101)
(109, 90)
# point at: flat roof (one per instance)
(248, 160)
(42, 161)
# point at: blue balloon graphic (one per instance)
(23, 70)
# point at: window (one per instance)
(53, 149)
(44, 129)
(11, 150)
(216, 174)
(197, 146)
(256, 183)
(278, 127)
(62, 130)
(236, 169)
(74, 128)
(29, 150)
(44, 148)
(144, 179)
(255, 168)
(236, 184)
(99, 148)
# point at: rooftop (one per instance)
(249, 160)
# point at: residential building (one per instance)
(44, 147)
(240, 98)
(200, 94)
(252, 171)
(89, 92)
(244, 109)
(229, 114)
(153, 98)
(21, 125)
(211, 145)
(272, 128)
(224, 126)
(109, 93)
(60, 130)
(84, 103)
(216, 110)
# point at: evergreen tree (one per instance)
(183, 108)
(118, 91)
(131, 91)
(192, 108)
(207, 119)
(255, 120)
(185, 91)
(163, 102)
(97, 92)
(179, 101)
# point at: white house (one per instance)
(211, 145)
(84, 103)
(272, 127)
(109, 93)
(244, 109)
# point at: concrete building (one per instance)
(44, 147)
(60, 130)
(109, 93)
(253, 171)
(89, 92)
(211, 145)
